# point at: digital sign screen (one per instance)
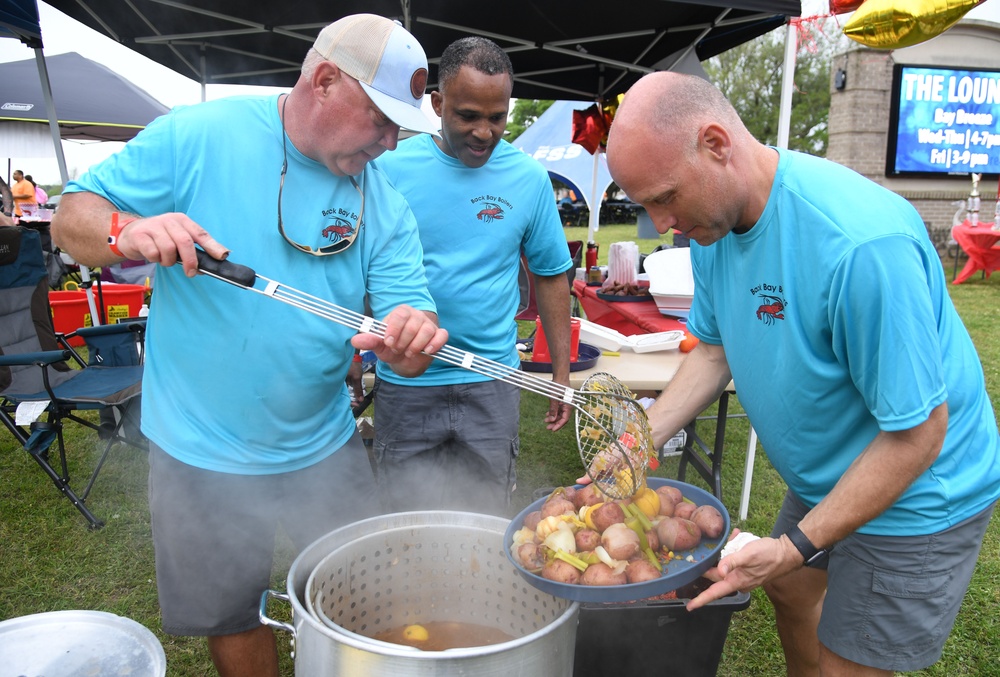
(944, 121)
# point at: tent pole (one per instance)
(787, 84)
(50, 108)
(204, 76)
(593, 222)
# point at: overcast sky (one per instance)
(61, 34)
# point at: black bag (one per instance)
(56, 268)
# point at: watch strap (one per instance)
(118, 222)
(811, 555)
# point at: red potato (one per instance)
(587, 539)
(561, 572)
(640, 571)
(684, 510)
(709, 520)
(667, 503)
(673, 492)
(621, 542)
(531, 557)
(557, 506)
(606, 515)
(532, 519)
(568, 493)
(678, 534)
(653, 539)
(588, 495)
(602, 574)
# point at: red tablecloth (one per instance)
(629, 318)
(981, 244)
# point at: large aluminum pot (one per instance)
(78, 643)
(418, 567)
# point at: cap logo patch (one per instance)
(418, 83)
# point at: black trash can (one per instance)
(654, 637)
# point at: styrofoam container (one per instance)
(670, 273)
(678, 305)
(600, 336)
(609, 339)
(649, 343)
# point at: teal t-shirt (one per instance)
(836, 321)
(235, 381)
(473, 225)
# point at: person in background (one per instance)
(244, 400)
(449, 439)
(41, 197)
(23, 192)
(850, 360)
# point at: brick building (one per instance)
(859, 117)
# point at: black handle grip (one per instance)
(233, 272)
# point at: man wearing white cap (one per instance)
(244, 401)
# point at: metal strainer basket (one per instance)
(452, 571)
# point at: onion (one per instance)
(616, 566)
(524, 535)
(561, 539)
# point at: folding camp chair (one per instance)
(36, 382)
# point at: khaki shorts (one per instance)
(214, 533)
(891, 601)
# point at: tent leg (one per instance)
(595, 203)
(95, 317)
(748, 474)
(787, 85)
(50, 108)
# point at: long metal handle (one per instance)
(245, 278)
(583, 402)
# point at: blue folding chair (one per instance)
(36, 376)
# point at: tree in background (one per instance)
(525, 112)
(750, 77)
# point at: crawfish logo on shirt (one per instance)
(342, 224)
(772, 306)
(338, 230)
(491, 207)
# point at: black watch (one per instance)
(812, 555)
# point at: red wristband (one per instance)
(357, 357)
(117, 225)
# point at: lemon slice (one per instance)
(415, 633)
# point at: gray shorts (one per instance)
(448, 447)
(214, 533)
(891, 601)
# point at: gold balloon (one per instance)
(891, 24)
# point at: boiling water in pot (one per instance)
(441, 635)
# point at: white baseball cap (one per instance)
(388, 62)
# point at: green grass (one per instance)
(50, 561)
